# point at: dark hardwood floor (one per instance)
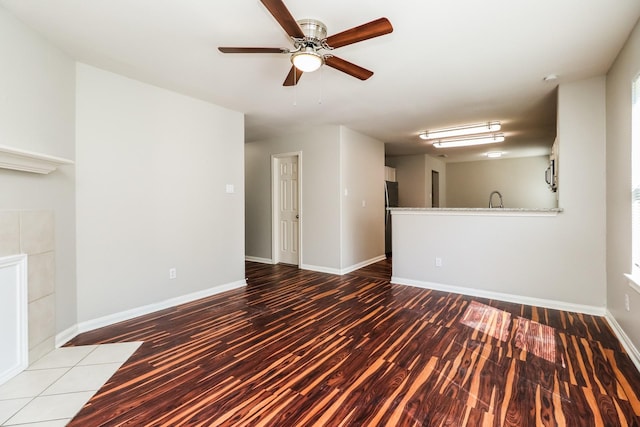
(299, 348)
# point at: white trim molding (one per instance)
(518, 299)
(67, 335)
(342, 271)
(477, 211)
(626, 342)
(27, 161)
(362, 264)
(111, 319)
(258, 259)
(15, 318)
(634, 281)
(320, 269)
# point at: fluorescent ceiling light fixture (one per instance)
(307, 60)
(461, 130)
(494, 154)
(464, 142)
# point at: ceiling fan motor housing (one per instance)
(309, 38)
(313, 29)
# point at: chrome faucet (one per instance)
(491, 199)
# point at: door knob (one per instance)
(297, 216)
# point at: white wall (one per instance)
(410, 174)
(37, 108)
(337, 232)
(152, 166)
(618, 155)
(437, 165)
(414, 179)
(519, 180)
(559, 258)
(582, 188)
(320, 149)
(257, 165)
(362, 177)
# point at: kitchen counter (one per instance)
(478, 211)
(519, 255)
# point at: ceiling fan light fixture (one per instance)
(468, 141)
(307, 60)
(461, 130)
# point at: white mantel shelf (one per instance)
(27, 161)
(477, 211)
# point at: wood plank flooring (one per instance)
(300, 348)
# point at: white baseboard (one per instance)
(342, 271)
(363, 264)
(9, 373)
(631, 349)
(111, 319)
(518, 299)
(320, 269)
(258, 259)
(67, 335)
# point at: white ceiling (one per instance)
(446, 62)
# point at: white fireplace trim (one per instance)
(28, 161)
(16, 335)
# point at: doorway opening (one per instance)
(435, 189)
(286, 208)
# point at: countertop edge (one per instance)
(478, 211)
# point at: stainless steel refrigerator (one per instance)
(390, 201)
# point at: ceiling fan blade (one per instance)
(362, 32)
(284, 17)
(293, 77)
(348, 67)
(253, 50)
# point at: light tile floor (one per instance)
(54, 389)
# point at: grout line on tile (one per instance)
(67, 369)
(30, 399)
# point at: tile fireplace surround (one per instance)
(32, 233)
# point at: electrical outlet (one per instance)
(626, 302)
(173, 273)
(438, 261)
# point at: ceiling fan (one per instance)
(309, 38)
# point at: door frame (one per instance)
(275, 194)
(435, 188)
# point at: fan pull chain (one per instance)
(295, 86)
(321, 86)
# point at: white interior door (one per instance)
(288, 211)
